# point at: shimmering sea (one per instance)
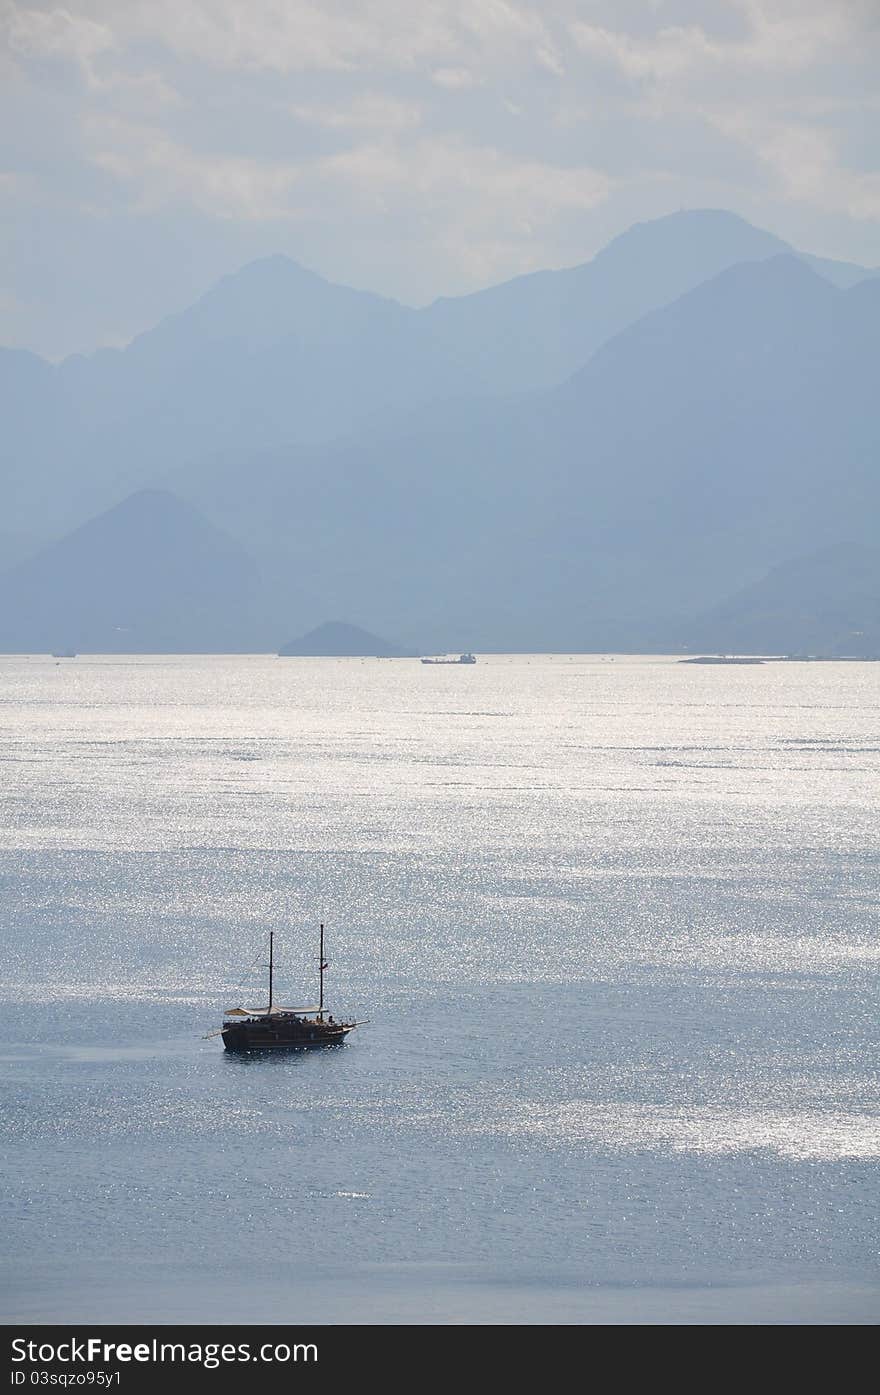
(614, 924)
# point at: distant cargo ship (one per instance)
(462, 659)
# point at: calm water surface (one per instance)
(614, 923)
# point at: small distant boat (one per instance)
(462, 659)
(63, 653)
(273, 1027)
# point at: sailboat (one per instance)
(274, 1027)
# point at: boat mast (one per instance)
(322, 968)
(271, 963)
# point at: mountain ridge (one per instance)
(679, 462)
(148, 575)
(255, 366)
(706, 440)
(825, 603)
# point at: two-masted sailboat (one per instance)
(274, 1027)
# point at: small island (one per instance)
(724, 659)
(336, 639)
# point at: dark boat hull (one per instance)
(248, 1038)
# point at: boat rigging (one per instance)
(274, 1027)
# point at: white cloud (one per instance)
(289, 36)
(381, 133)
(369, 111)
(532, 189)
(74, 38)
(454, 78)
(547, 57)
(665, 55)
(780, 37)
(804, 164)
(482, 184)
(161, 172)
(772, 90)
(55, 33)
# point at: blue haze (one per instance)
(584, 460)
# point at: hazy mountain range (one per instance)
(151, 574)
(590, 458)
(827, 603)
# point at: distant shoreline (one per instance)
(724, 659)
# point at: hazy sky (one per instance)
(413, 147)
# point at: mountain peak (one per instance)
(339, 639)
(824, 602)
(714, 236)
(158, 503)
(258, 306)
(149, 574)
(272, 270)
